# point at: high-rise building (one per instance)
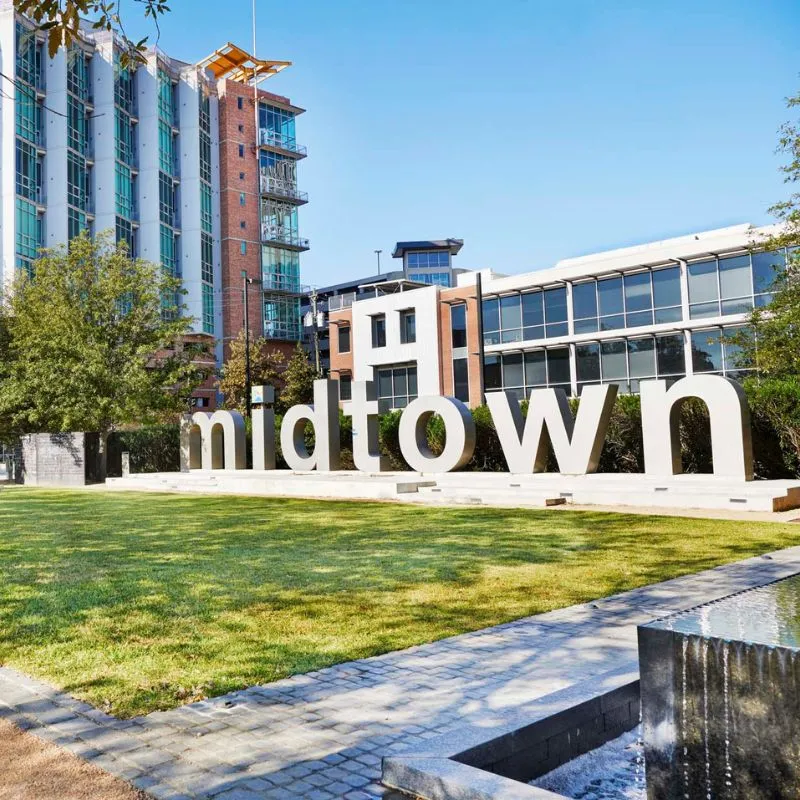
(189, 163)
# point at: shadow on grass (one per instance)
(142, 601)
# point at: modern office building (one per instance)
(659, 310)
(187, 162)
(428, 262)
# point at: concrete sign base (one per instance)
(484, 488)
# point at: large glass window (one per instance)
(397, 386)
(344, 338)
(667, 295)
(555, 312)
(511, 318)
(434, 259)
(767, 266)
(408, 327)
(638, 300)
(461, 379)
(584, 307)
(735, 284)
(379, 330)
(519, 373)
(458, 326)
(713, 351)
(533, 315)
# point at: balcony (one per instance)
(272, 281)
(283, 189)
(268, 138)
(277, 234)
(340, 301)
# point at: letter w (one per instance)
(577, 443)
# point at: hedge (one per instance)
(775, 412)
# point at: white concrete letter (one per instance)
(728, 411)
(459, 432)
(577, 443)
(263, 417)
(324, 416)
(213, 441)
(364, 410)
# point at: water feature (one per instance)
(720, 688)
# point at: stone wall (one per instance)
(58, 459)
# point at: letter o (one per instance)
(459, 434)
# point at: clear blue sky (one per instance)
(533, 130)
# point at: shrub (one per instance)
(153, 448)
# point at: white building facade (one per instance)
(659, 310)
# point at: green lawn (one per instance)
(142, 602)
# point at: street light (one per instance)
(247, 377)
(378, 253)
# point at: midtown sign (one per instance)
(217, 441)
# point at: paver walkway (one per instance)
(322, 735)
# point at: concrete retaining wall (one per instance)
(59, 459)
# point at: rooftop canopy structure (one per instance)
(232, 62)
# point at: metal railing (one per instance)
(277, 233)
(340, 301)
(283, 188)
(277, 282)
(275, 139)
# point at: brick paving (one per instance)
(322, 735)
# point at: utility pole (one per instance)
(316, 330)
(378, 253)
(247, 376)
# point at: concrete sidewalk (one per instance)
(322, 735)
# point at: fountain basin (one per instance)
(720, 694)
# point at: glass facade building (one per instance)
(281, 243)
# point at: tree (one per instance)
(61, 20)
(298, 380)
(266, 368)
(94, 340)
(771, 343)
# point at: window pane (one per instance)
(556, 329)
(558, 366)
(637, 292)
(491, 315)
(734, 277)
(491, 373)
(740, 306)
(673, 314)
(536, 332)
(412, 382)
(510, 312)
(612, 355)
(585, 325)
(612, 323)
(609, 293)
(642, 358)
(588, 362)
(461, 379)
(702, 310)
(670, 352)
(535, 368)
(512, 370)
(766, 267)
(532, 309)
(703, 282)
(555, 305)
(384, 383)
(667, 287)
(458, 324)
(734, 358)
(639, 318)
(514, 335)
(400, 383)
(584, 301)
(706, 351)
(345, 388)
(344, 338)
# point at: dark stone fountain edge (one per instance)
(495, 763)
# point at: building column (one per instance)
(54, 182)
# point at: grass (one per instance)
(142, 602)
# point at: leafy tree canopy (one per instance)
(298, 380)
(772, 342)
(61, 19)
(266, 368)
(92, 340)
